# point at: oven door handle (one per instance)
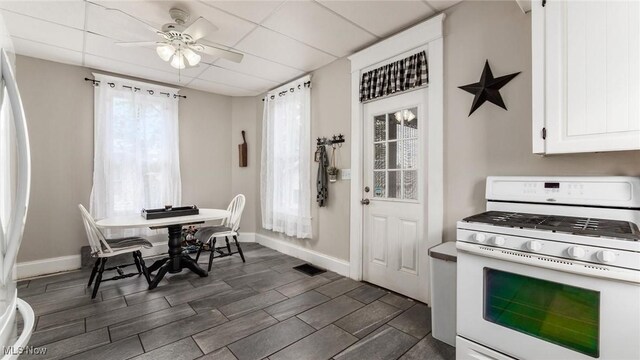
(569, 266)
(478, 356)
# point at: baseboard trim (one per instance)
(29, 269)
(247, 237)
(321, 260)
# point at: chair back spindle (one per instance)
(96, 238)
(227, 229)
(235, 208)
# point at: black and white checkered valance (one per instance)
(400, 75)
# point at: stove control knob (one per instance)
(606, 256)
(576, 252)
(479, 238)
(534, 245)
(498, 240)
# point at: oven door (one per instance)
(525, 310)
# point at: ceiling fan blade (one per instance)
(200, 28)
(142, 22)
(217, 52)
(138, 43)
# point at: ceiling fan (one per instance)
(180, 44)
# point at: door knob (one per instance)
(365, 201)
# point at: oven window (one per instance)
(561, 314)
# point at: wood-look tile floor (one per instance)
(254, 310)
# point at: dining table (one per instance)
(176, 261)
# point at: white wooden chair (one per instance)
(103, 248)
(228, 228)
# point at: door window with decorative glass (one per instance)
(395, 142)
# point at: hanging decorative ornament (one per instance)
(487, 89)
(332, 170)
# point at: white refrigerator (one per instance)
(15, 180)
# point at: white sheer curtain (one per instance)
(285, 174)
(136, 164)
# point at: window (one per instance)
(136, 163)
(285, 172)
(395, 142)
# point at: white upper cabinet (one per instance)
(586, 76)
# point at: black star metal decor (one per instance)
(487, 89)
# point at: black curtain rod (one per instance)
(135, 89)
(284, 92)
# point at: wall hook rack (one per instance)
(335, 139)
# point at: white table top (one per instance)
(135, 221)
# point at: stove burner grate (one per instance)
(568, 224)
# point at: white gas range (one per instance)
(551, 270)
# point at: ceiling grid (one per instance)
(281, 40)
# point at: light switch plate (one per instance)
(345, 174)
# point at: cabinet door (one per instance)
(591, 75)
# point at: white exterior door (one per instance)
(395, 248)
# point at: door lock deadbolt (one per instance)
(367, 189)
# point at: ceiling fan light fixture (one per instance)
(165, 52)
(192, 58)
(178, 60)
(179, 44)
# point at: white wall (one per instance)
(245, 114)
(330, 114)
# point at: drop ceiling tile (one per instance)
(313, 24)
(261, 68)
(382, 18)
(276, 47)
(47, 52)
(232, 78)
(221, 89)
(106, 48)
(230, 28)
(255, 11)
(441, 5)
(29, 28)
(116, 25)
(69, 12)
(133, 70)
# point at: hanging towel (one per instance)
(322, 181)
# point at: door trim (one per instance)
(425, 36)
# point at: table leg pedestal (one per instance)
(175, 248)
(162, 271)
(156, 265)
(192, 265)
(176, 260)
